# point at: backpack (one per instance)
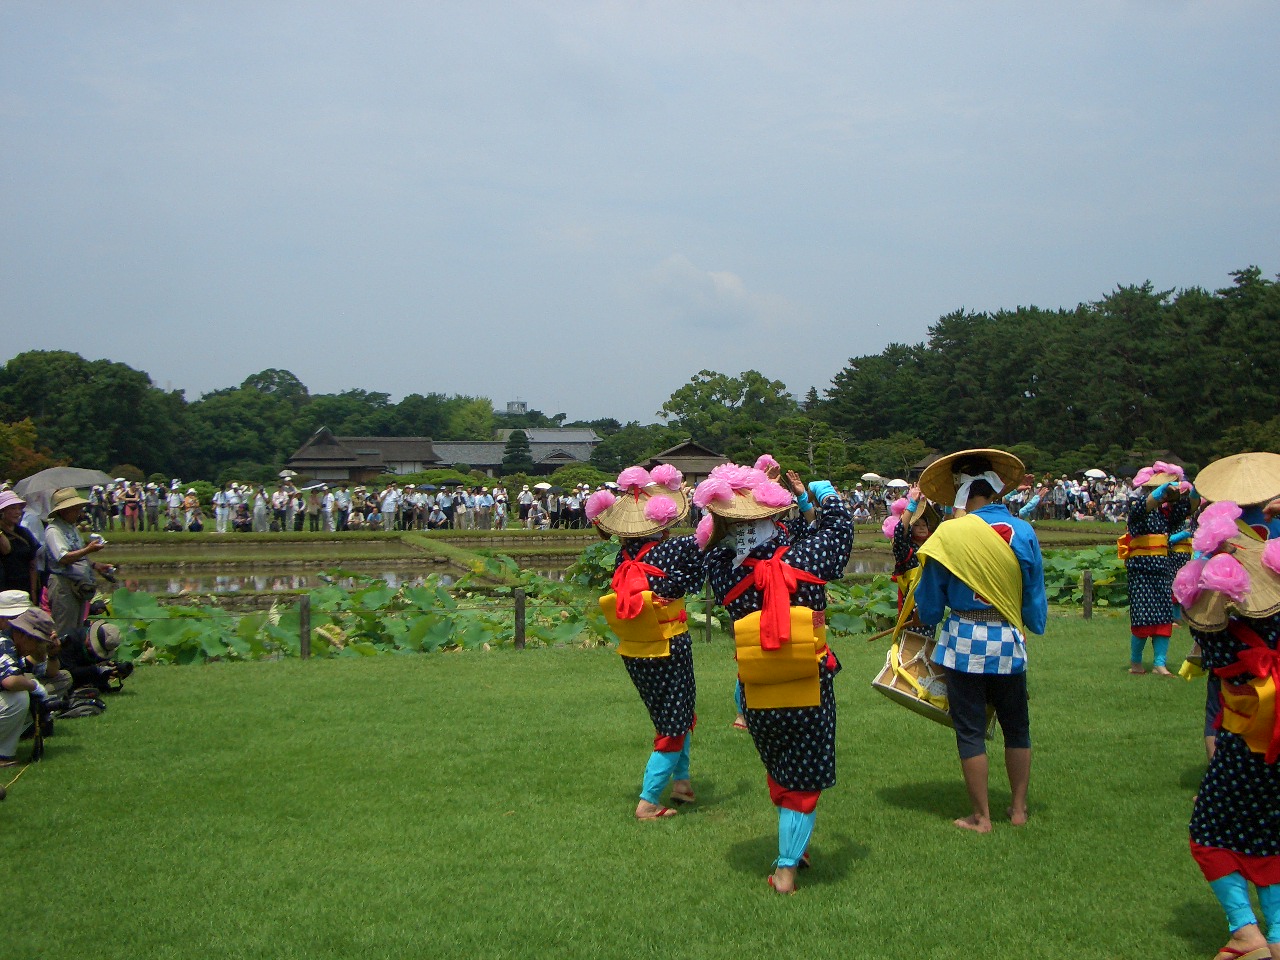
(83, 702)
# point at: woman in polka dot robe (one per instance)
(1230, 595)
(1159, 506)
(755, 567)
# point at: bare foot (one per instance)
(975, 823)
(1136, 669)
(651, 811)
(1017, 817)
(1161, 672)
(783, 880)
(740, 722)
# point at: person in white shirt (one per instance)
(327, 504)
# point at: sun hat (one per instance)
(35, 623)
(741, 494)
(1247, 479)
(8, 499)
(64, 499)
(104, 638)
(13, 602)
(1245, 583)
(941, 482)
(648, 503)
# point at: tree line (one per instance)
(1108, 383)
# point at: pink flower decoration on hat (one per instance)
(1271, 556)
(712, 488)
(899, 506)
(739, 478)
(1186, 585)
(703, 532)
(1161, 467)
(661, 510)
(765, 463)
(634, 477)
(1217, 525)
(890, 524)
(1142, 476)
(1224, 574)
(598, 503)
(770, 494)
(664, 474)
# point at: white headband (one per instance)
(964, 482)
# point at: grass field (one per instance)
(479, 805)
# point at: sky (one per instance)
(582, 205)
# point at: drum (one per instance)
(911, 678)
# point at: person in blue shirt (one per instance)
(984, 566)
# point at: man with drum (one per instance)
(985, 565)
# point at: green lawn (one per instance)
(479, 805)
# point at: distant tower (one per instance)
(517, 407)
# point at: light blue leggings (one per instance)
(794, 830)
(662, 768)
(1232, 892)
(1159, 649)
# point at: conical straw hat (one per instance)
(625, 517)
(1246, 479)
(938, 481)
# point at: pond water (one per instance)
(266, 578)
(280, 579)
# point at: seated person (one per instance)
(374, 519)
(90, 657)
(861, 514)
(23, 648)
(355, 520)
(242, 520)
(436, 519)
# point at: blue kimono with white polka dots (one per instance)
(796, 744)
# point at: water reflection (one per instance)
(269, 581)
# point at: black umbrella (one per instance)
(427, 486)
(450, 483)
(556, 490)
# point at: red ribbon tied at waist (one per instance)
(777, 582)
(1262, 662)
(630, 580)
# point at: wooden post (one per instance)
(304, 626)
(518, 593)
(1086, 585)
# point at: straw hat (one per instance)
(65, 499)
(939, 480)
(1212, 610)
(744, 507)
(1158, 478)
(626, 518)
(1247, 479)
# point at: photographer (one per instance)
(27, 630)
(71, 580)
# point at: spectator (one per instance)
(16, 687)
(18, 548)
(71, 580)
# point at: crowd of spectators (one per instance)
(55, 659)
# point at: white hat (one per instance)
(14, 602)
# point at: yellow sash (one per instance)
(1249, 709)
(1146, 545)
(977, 555)
(1182, 546)
(649, 634)
(788, 676)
